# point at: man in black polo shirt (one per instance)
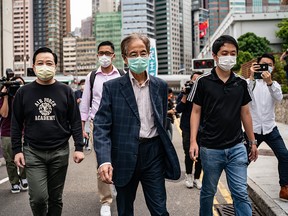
(221, 99)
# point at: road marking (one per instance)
(215, 212)
(4, 180)
(177, 124)
(225, 193)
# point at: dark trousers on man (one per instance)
(150, 172)
(188, 161)
(46, 173)
(276, 143)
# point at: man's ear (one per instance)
(125, 59)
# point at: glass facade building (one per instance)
(138, 16)
(108, 26)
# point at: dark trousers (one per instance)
(12, 170)
(46, 173)
(150, 172)
(188, 161)
(276, 143)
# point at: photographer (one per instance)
(265, 93)
(185, 107)
(171, 112)
(8, 90)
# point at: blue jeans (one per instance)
(276, 143)
(234, 161)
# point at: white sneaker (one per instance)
(24, 184)
(88, 148)
(188, 181)
(197, 183)
(105, 210)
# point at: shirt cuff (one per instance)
(105, 164)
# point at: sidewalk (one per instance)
(263, 179)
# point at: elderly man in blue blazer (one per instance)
(130, 139)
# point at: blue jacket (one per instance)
(117, 126)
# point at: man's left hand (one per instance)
(253, 155)
(267, 77)
(78, 156)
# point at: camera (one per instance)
(259, 70)
(86, 141)
(188, 86)
(11, 86)
(262, 67)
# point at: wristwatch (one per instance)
(253, 142)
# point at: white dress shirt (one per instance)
(262, 106)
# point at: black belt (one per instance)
(144, 140)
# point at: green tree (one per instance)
(242, 57)
(283, 32)
(253, 44)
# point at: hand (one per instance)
(171, 111)
(19, 160)
(85, 135)
(193, 151)
(253, 155)
(267, 77)
(106, 172)
(78, 156)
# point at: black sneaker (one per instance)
(15, 188)
(24, 184)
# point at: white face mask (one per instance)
(270, 69)
(105, 61)
(226, 62)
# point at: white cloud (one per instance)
(80, 9)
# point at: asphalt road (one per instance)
(80, 193)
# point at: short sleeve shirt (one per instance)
(220, 109)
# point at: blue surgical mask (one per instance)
(138, 65)
(270, 69)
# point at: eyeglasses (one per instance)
(107, 53)
(136, 55)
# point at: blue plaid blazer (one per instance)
(117, 126)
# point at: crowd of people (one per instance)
(130, 116)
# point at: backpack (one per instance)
(92, 79)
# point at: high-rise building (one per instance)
(262, 6)
(22, 35)
(108, 26)
(218, 10)
(69, 55)
(86, 55)
(138, 16)
(168, 37)
(104, 6)
(51, 24)
(6, 36)
(185, 36)
(86, 27)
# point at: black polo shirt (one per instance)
(220, 109)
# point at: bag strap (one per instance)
(92, 79)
